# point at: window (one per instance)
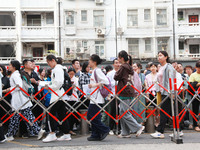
(50, 47)
(147, 45)
(84, 43)
(83, 15)
(162, 44)
(33, 20)
(147, 14)
(70, 18)
(132, 18)
(98, 18)
(99, 48)
(161, 17)
(181, 45)
(133, 47)
(37, 52)
(49, 18)
(180, 15)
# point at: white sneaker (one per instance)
(124, 136)
(40, 134)
(3, 141)
(139, 132)
(65, 137)
(157, 135)
(111, 132)
(10, 138)
(50, 138)
(180, 134)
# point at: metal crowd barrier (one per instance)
(174, 95)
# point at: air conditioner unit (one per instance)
(120, 30)
(80, 50)
(100, 32)
(99, 1)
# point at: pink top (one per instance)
(151, 79)
(160, 75)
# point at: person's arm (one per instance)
(111, 77)
(119, 74)
(58, 80)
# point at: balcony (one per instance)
(6, 60)
(188, 28)
(39, 32)
(189, 56)
(7, 32)
(39, 4)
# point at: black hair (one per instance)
(4, 70)
(188, 66)
(32, 60)
(25, 61)
(16, 64)
(48, 73)
(71, 69)
(51, 57)
(153, 64)
(198, 64)
(108, 68)
(123, 54)
(165, 54)
(96, 59)
(139, 65)
(114, 60)
(173, 62)
(73, 61)
(85, 65)
(59, 60)
(180, 64)
(40, 70)
(130, 60)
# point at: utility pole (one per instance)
(59, 28)
(174, 33)
(116, 25)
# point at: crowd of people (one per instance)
(26, 119)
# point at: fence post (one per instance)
(84, 124)
(150, 122)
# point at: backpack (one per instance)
(104, 92)
(27, 86)
(67, 83)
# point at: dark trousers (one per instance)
(166, 106)
(1, 133)
(72, 119)
(98, 128)
(195, 108)
(60, 109)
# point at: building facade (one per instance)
(78, 28)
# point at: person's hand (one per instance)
(6, 90)
(33, 81)
(198, 84)
(90, 86)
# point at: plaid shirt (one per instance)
(84, 78)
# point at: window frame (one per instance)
(94, 15)
(99, 45)
(129, 15)
(166, 21)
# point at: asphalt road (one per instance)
(191, 140)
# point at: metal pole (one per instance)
(174, 34)
(116, 25)
(59, 28)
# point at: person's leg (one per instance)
(1, 132)
(52, 121)
(195, 108)
(34, 129)
(61, 115)
(166, 106)
(98, 128)
(112, 112)
(13, 125)
(128, 119)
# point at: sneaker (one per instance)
(50, 138)
(124, 136)
(157, 135)
(65, 137)
(103, 136)
(180, 134)
(139, 132)
(25, 136)
(111, 132)
(3, 141)
(40, 134)
(93, 139)
(10, 138)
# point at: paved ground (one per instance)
(191, 141)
